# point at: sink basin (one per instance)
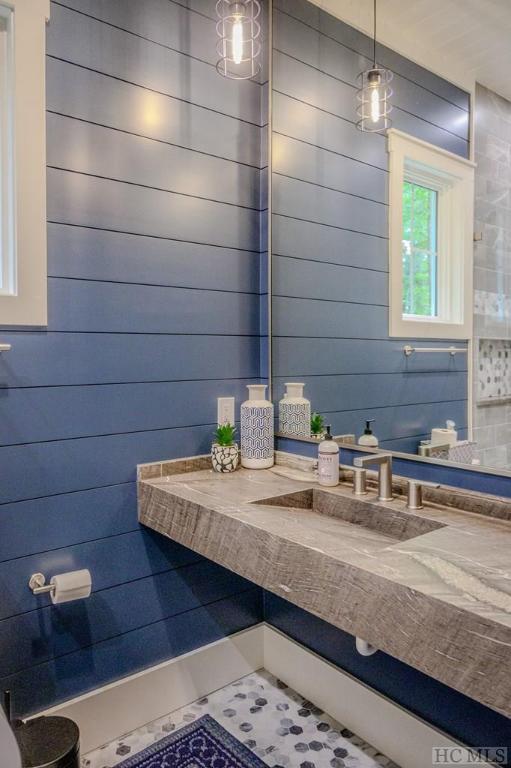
(390, 524)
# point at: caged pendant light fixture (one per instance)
(238, 45)
(374, 94)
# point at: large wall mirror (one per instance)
(391, 292)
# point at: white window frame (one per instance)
(23, 294)
(452, 177)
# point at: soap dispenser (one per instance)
(328, 460)
(368, 438)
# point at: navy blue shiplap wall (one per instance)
(153, 243)
(330, 238)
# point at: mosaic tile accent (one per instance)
(494, 369)
(276, 723)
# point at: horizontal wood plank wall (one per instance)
(330, 236)
(154, 221)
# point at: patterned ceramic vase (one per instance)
(295, 412)
(257, 429)
(225, 457)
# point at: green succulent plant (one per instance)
(224, 434)
(317, 424)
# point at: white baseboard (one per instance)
(109, 712)
(113, 710)
(404, 738)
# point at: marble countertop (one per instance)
(440, 601)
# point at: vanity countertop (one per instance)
(440, 601)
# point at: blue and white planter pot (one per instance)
(225, 458)
(257, 437)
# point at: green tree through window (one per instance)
(419, 250)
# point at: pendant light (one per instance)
(238, 45)
(374, 94)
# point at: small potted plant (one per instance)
(317, 426)
(224, 451)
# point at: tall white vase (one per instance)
(295, 412)
(257, 440)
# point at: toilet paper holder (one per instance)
(38, 584)
(63, 587)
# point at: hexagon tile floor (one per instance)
(278, 724)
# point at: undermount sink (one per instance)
(390, 524)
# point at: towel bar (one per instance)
(409, 350)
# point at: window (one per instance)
(420, 251)
(22, 162)
(431, 204)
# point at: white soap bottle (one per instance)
(368, 438)
(328, 460)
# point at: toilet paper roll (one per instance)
(443, 436)
(71, 586)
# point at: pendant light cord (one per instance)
(374, 35)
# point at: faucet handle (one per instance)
(359, 478)
(414, 496)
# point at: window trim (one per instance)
(27, 304)
(7, 189)
(453, 177)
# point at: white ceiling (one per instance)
(463, 40)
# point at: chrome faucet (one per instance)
(384, 464)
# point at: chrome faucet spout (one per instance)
(384, 463)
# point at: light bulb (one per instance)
(375, 104)
(237, 41)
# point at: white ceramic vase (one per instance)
(224, 457)
(295, 412)
(257, 439)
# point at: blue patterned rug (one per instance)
(202, 744)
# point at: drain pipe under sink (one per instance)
(364, 648)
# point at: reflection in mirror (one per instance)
(400, 341)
